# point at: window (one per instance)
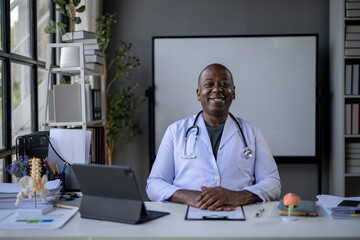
(41, 90)
(22, 62)
(1, 111)
(20, 27)
(1, 24)
(21, 101)
(43, 14)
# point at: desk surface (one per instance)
(268, 226)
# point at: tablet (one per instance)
(111, 193)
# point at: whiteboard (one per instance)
(274, 76)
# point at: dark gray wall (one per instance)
(139, 20)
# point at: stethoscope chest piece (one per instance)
(247, 152)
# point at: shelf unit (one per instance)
(71, 71)
(342, 183)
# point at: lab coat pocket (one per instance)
(245, 164)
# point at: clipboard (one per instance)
(193, 213)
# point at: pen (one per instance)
(259, 212)
(51, 166)
(47, 169)
(64, 168)
(57, 168)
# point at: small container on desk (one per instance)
(58, 176)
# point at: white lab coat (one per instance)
(231, 170)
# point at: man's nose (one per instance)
(217, 88)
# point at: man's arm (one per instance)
(185, 196)
(214, 199)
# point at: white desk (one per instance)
(173, 226)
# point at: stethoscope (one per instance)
(247, 151)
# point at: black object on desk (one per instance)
(111, 193)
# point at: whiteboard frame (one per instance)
(151, 92)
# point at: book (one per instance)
(352, 28)
(352, 44)
(348, 79)
(352, 145)
(352, 5)
(98, 68)
(355, 80)
(348, 118)
(93, 52)
(355, 118)
(94, 59)
(352, 150)
(331, 204)
(352, 36)
(86, 40)
(352, 155)
(306, 208)
(96, 94)
(353, 13)
(78, 35)
(88, 98)
(352, 51)
(352, 162)
(94, 46)
(352, 169)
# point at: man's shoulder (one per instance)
(246, 124)
(183, 122)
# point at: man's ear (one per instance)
(198, 94)
(233, 93)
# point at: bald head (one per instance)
(216, 66)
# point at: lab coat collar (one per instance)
(230, 129)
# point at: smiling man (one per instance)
(213, 160)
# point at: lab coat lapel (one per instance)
(203, 135)
(230, 128)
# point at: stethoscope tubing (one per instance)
(247, 151)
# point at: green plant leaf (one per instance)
(60, 10)
(77, 20)
(52, 23)
(50, 29)
(81, 9)
(62, 28)
(61, 25)
(68, 10)
(76, 2)
(60, 2)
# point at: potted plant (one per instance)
(20, 167)
(69, 56)
(119, 104)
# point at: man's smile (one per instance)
(217, 99)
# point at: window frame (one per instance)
(8, 58)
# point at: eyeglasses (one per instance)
(69, 196)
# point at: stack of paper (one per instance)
(336, 208)
(9, 191)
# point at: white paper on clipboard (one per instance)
(193, 213)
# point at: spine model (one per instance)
(34, 181)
